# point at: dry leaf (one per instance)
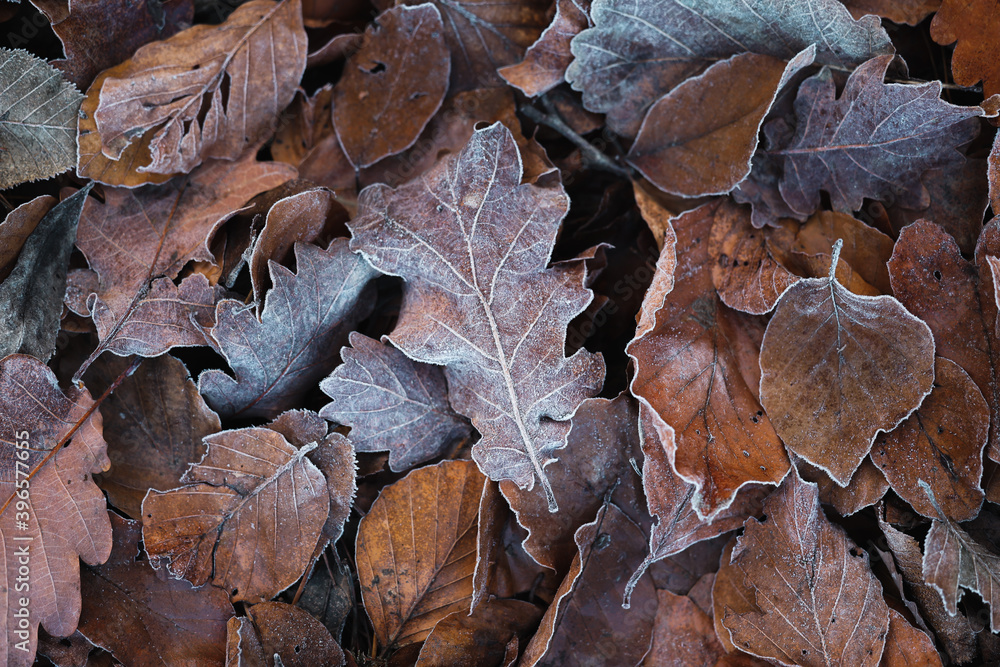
(906, 646)
(473, 245)
(38, 111)
(392, 403)
(970, 23)
(134, 614)
(159, 93)
(416, 550)
(247, 520)
(837, 368)
(696, 368)
(275, 634)
(545, 61)
(910, 12)
(867, 486)
(818, 601)
(392, 85)
(17, 227)
(481, 637)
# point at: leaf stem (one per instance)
(594, 157)
(835, 257)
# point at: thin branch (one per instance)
(594, 157)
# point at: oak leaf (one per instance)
(393, 84)
(696, 369)
(416, 550)
(837, 368)
(248, 518)
(818, 602)
(392, 403)
(473, 245)
(58, 508)
(970, 23)
(160, 92)
(636, 52)
(38, 111)
(134, 614)
(305, 320)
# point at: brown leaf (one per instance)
(658, 219)
(970, 23)
(164, 227)
(160, 91)
(479, 638)
(989, 246)
(17, 227)
(392, 85)
(910, 12)
(473, 245)
(818, 601)
(131, 612)
(696, 154)
(867, 486)
(306, 318)
(247, 520)
(39, 110)
(940, 444)
(416, 550)
(155, 422)
(697, 370)
(906, 646)
(275, 633)
(953, 559)
(57, 515)
(392, 403)
(837, 368)
(125, 26)
(545, 61)
(484, 35)
(586, 624)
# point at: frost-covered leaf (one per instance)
(545, 62)
(37, 119)
(243, 72)
(837, 368)
(247, 520)
(818, 602)
(473, 245)
(638, 51)
(276, 633)
(306, 318)
(392, 403)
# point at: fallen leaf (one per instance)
(305, 320)
(392, 403)
(38, 111)
(837, 368)
(473, 245)
(696, 368)
(247, 520)
(659, 221)
(416, 550)
(637, 52)
(132, 613)
(906, 646)
(481, 637)
(161, 90)
(155, 422)
(545, 61)
(274, 634)
(869, 144)
(969, 23)
(52, 510)
(328, 596)
(910, 12)
(31, 297)
(988, 246)
(867, 486)
(586, 625)
(818, 601)
(392, 85)
(692, 155)
(940, 444)
(17, 227)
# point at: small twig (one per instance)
(594, 157)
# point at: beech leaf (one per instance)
(38, 111)
(275, 633)
(837, 368)
(473, 245)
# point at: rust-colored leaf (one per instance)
(146, 620)
(941, 445)
(392, 403)
(274, 634)
(416, 550)
(479, 638)
(545, 61)
(867, 486)
(696, 368)
(906, 646)
(55, 517)
(473, 245)
(248, 518)
(306, 318)
(159, 93)
(818, 601)
(392, 85)
(970, 23)
(17, 227)
(837, 368)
